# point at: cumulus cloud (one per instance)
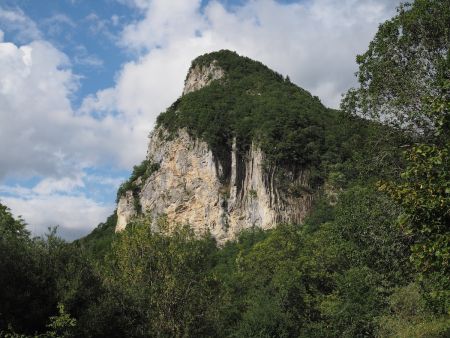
(44, 136)
(314, 42)
(61, 202)
(34, 102)
(75, 216)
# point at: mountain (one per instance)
(357, 210)
(242, 147)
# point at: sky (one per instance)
(82, 82)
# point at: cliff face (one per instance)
(188, 190)
(200, 76)
(191, 186)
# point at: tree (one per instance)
(407, 60)
(163, 280)
(26, 299)
(404, 82)
(61, 326)
(408, 316)
(11, 227)
(424, 194)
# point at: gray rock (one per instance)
(200, 76)
(187, 189)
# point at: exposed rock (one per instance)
(200, 76)
(125, 210)
(188, 190)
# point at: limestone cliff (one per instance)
(200, 76)
(191, 185)
(188, 190)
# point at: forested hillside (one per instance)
(370, 260)
(254, 104)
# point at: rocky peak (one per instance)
(200, 76)
(232, 160)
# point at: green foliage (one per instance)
(406, 61)
(37, 274)
(142, 171)
(366, 218)
(413, 49)
(362, 256)
(354, 304)
(61, 325)
(98, 242)
(253, 104)
(20, 271)
(333, 279)
(409, 317)
(322, 212)
(11, 227)
(327, 280)
(424, 194)
(166, 276)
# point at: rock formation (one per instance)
(200, 76)
(190, 188)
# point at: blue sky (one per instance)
(82, 81)
(84, 30)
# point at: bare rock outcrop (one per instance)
(187, 189)
(200, 76)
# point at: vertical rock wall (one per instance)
(187, 189)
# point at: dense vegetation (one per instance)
(371, 260)
(98, 242)
(344, 273)
(407, 61)
(255, 104)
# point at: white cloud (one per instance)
(100, 27)
(83, 57)
(75, 215)
(59, 202)
(34, 103)
(42, 134)
(60, 18)
(51, 185)
(58, 26)
(16, 21)
(164, 22)
(314, 42)
(106, 181)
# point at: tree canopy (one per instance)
(407, 61)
